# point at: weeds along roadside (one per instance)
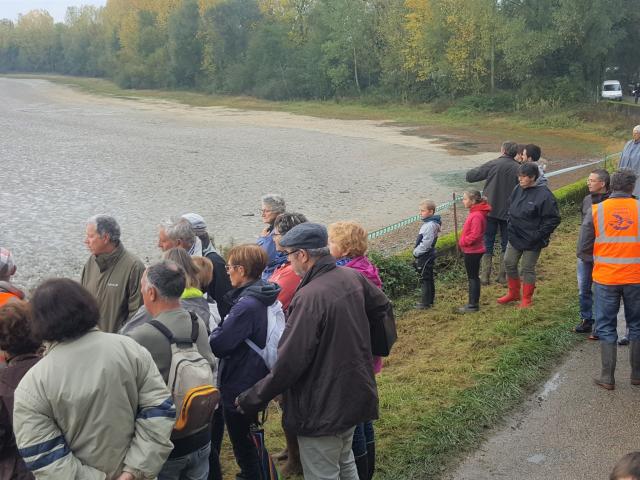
(452, 377)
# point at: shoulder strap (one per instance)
(194, 327)
(164, 330)
(172, 339)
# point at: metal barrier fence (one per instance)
(445, 206)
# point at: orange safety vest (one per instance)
(5, 297)
(616, 250)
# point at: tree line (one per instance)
(409, 50)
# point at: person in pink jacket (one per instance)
(348, 245)
(472, 245)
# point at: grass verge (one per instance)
(452, 377)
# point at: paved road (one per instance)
(568, 430)
(66, 156)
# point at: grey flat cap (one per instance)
(306, 235)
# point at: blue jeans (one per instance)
(493, 224)
(362, 437)
(194, 466)
(585, 295)
(607, 305)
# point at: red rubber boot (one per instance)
(527, 295)
(513, 295)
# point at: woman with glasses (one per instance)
(240, 366)
(272, 206)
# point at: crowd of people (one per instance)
(134, 372)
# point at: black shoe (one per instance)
(584, 327)
(468, 308)
(623, 341)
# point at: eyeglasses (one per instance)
(229, 267)
(264, 210)
(291, 252)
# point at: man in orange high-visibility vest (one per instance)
(613, 229)
(8, 291)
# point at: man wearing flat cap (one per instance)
(325, 365)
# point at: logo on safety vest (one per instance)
(621, 222)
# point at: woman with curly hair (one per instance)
(348, 244)
(21, 354)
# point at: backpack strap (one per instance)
(194, 327)
(169, 335)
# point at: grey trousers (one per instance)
(329, 457)
(527, 259)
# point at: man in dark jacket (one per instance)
(598, 184)
(324, 365)
(220, 283)
(533, 216)
(501, 177)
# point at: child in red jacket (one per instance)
(472, 244)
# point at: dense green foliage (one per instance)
(389, 49)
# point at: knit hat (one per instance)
(7, 263)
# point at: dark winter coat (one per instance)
(240, 367)
(324, 365)
(501, 177)
(584, 250)
(220, 284)
(533, 216)
(12, 467)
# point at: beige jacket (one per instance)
(92, 408)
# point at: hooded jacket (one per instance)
(363, 265)
(240, 367)
(471, 239)
(324, 366)
(428, 236)
(533, 216)
(501, 177)
(114, 279)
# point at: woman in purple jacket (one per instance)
(348, 245)
(240, 366)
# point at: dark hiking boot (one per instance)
(608, 355)
(585, 326)
(427, 297)
(468, 308)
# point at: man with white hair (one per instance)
(111, 274)
(177, 232)
(630, 157)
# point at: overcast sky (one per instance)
(57, 8)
